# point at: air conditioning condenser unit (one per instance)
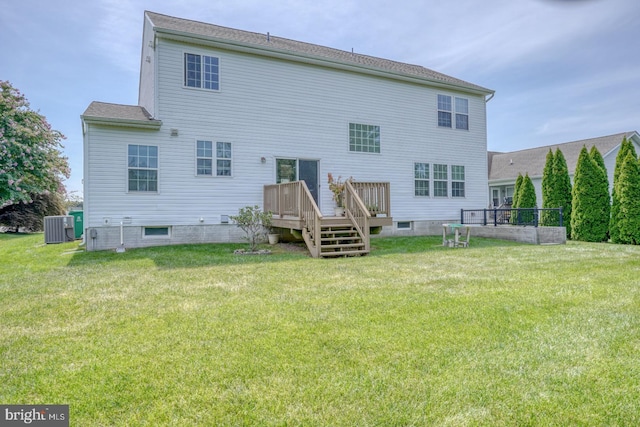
(58, 229)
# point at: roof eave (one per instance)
(313, 60)
(110, 121)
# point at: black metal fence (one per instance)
(549, 217)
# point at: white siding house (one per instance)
(222, 112)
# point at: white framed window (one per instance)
(444, 111)
(404, 225)
(156, 232)
(462, 113)
(447, 107)
(364, 138)
(201, 71)
(440, 180)
(209, 163)
(421, 179)
(223, 158)
(457, 181)
(142, 162)
(204, 158)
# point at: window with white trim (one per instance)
(364, 138)
(223, 158)
(204, 158)
(207, 164)
(447, 106)
(440, 180)
(143, 167)
(156, 232)
(457, 181)
(201, 71)
(421, 179)
(462, 113)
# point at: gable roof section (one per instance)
(506, 166)
(265, 44)
(120, 115)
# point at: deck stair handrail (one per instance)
(293, 199)
(293, 207)
(358, 213)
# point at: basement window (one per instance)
(156, 232)
(403, 225)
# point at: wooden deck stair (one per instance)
(340, 238)
(366, 206)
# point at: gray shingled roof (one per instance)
(503, 166)
(296, 48)
(102, 111)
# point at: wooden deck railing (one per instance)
(375, 196)
(357, 212)
(294, 199)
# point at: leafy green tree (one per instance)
(31, 161)
(562, 188)
(29, 216)
(589, 218)
(625, 147)
(628, 213)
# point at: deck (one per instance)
(367, 209)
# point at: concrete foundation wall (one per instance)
(108, 237)
(532, 235)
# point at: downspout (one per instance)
(490, 97)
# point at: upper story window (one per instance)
(143, 167)
(201, 71)
(421, 177)
(364, 138)
(448, 106)
(206, 163)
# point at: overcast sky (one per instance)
(563, 70)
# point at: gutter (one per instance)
(111, 121)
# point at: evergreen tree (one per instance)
(548, 189)
(562, 191)
(628, 213)
(588, 221)
(527, 200)
(514, 199)
(604, 199)
(625, 147)
(516, 191)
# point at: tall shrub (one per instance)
(588, 221)
(562, 188)
(514, 199)
(625, 147)
(548, 188)
(628, 213)
(526, 200)
(604, 199)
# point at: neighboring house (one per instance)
(224, 112)
(505, 167)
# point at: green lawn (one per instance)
(412, 334)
